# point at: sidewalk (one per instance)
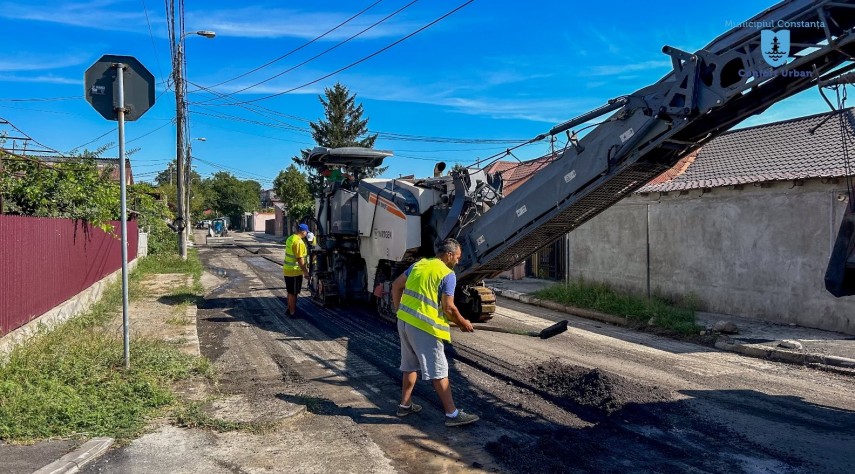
(760, 339)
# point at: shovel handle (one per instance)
(518, 332)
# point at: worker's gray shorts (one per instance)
(423, 352)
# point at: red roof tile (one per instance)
(772, 152)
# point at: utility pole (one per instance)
(178, 79)
(182, 201)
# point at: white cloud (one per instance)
(96, 14)
(471, 100)
(46, 78)
(257, 22)
(611, 70)
(36, 62)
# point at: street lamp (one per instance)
(178, 74)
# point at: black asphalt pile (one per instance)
(592, 388)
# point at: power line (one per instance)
(298, 47)
(322, 52)
(244, 172)
(251, 134)
(384, 135)
(3, 120)
(151, 35)
(360, 60)
(96, 139)
(145, 134)
(41, 99)
(280, 125)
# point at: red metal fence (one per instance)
(44, 262)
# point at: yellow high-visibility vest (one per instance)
(420, 305)
(290, 266)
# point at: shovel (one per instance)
(546, 333)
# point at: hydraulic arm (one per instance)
(648, 131)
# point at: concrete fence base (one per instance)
(72, 307)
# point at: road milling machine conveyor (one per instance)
(370, 230)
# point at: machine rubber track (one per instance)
(488, 303)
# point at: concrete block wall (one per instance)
(757, 252)
(74, 306)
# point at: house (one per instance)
(102, 164)
(268, 197)
(744, 225)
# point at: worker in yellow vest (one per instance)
(294, 268)
(424, 298)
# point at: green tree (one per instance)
(232, 197)
(73, 189)
(292, 188)
(77, 189)
(200, 197)
(342, 126)
(152, 215)
(167, 176)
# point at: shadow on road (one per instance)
(712, 431)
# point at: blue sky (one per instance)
(491, 71)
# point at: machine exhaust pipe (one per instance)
(438, 169)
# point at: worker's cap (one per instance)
(303, 228)
(310, 237)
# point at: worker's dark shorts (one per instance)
(293, 285)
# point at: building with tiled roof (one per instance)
(515, 173)
(797, 149)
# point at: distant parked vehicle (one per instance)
(218, 233)
(219, 228)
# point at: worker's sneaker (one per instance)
(461, 419)
(413, 408)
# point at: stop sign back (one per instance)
(102, 88)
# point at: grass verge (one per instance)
(672, 317)
(71, 381)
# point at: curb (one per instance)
(781, 355)
(722, 343)
(583, 313)
(73, 461)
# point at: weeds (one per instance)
(71, 381)
(313, 404)
(192, 415)
(676, 317)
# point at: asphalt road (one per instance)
(594, 399)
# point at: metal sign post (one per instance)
(120, 111)
(105, 90)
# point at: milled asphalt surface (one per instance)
(760, 339)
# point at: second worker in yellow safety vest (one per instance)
(424, 299)
(294, 267)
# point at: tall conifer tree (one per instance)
(343, 125)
